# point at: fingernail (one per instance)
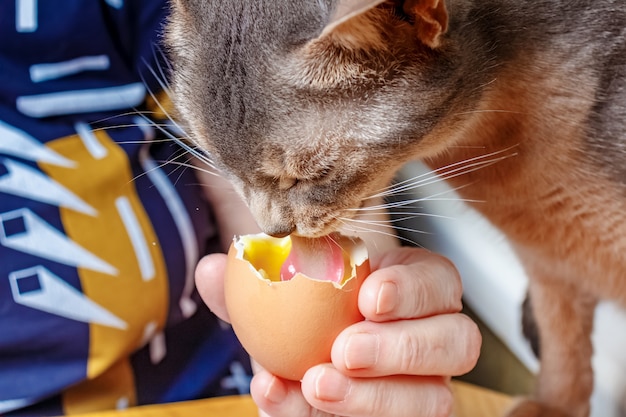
(330, 385)
(276, 391)
(361, 351)
(387, 297)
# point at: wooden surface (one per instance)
(471, 401)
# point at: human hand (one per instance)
(394, 363)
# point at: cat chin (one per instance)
(318, 233)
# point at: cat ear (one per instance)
(347, 9)
(431, 19)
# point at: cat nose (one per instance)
(280, 231)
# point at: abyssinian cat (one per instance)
(310, 106)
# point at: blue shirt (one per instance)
(101, 225)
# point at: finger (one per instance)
(210, 283)
(277, 397)
(439, 345)
(328, 390)
(410, 283)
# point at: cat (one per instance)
(309, 107)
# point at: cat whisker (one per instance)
(201, 156)
(407, 203)
(158, 165)
(118, 115)
(160, 78)
(129, 125)
(165, 88)
(463, 113)
(397, 217)
(413, 203)
(191, 165)
(184, 143)
(156, 48)
(474, 164)
(428, 176)
(352, 225)
(444, 173)
(482, 86)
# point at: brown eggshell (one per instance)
(289, 326)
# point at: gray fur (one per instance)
(249, 95)
(308, 126)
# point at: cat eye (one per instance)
(285, 183)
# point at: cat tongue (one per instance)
(320, 258)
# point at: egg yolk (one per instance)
(277, 259)
(267, 255)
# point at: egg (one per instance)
(289, 298)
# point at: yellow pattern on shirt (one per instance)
(140, 301)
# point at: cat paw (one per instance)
(530, 408)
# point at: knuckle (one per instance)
(454, 282)
(440, 283)
(438, 402)
(381, 402)
(420, 302)
(317, 413)
(447, 268)
(472, 342)
(444, 404)
(411, 359)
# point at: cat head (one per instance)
(309, 107)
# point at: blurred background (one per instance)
(494, 290)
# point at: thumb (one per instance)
(210, 283)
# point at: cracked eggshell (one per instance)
(290, 326)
